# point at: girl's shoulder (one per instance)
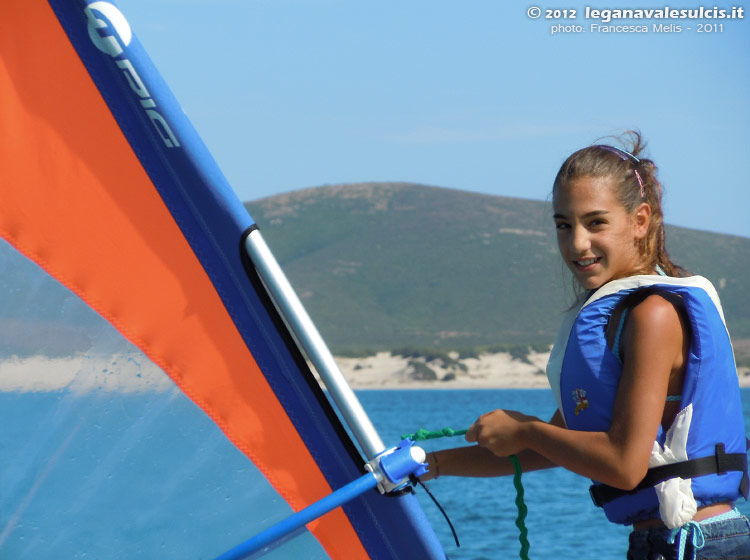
(657, 308)
(649, 311)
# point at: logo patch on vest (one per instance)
(582, 403)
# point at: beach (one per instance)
(489, 371)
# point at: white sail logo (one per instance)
(114, 18)
(110, 32)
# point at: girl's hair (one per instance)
(635, 182)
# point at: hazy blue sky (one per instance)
(471, 95)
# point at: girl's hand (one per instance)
(500, 431)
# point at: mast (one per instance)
(299, 322)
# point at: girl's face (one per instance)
(596, 235)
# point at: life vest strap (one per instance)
(718, 463)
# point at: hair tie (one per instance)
(640, 182)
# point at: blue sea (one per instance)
(562, 521)
(147, 475)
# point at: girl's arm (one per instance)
(479, 461)
(655, 349)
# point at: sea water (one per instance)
(562, 521)
(110, 476)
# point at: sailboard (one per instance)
(154, 402)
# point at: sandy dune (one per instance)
(384, 371)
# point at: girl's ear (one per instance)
(641, 220)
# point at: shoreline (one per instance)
(384, 371)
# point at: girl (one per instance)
(643, 372)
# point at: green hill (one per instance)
(388, 265)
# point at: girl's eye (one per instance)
(562, 226)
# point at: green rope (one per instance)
(422, 434)
(522, 509)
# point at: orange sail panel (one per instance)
(76, 200)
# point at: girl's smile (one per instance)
(597, 237)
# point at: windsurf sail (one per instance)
(154, 402)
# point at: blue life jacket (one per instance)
(585, 373)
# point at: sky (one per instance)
(473, 95)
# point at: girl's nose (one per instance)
(579, 241)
